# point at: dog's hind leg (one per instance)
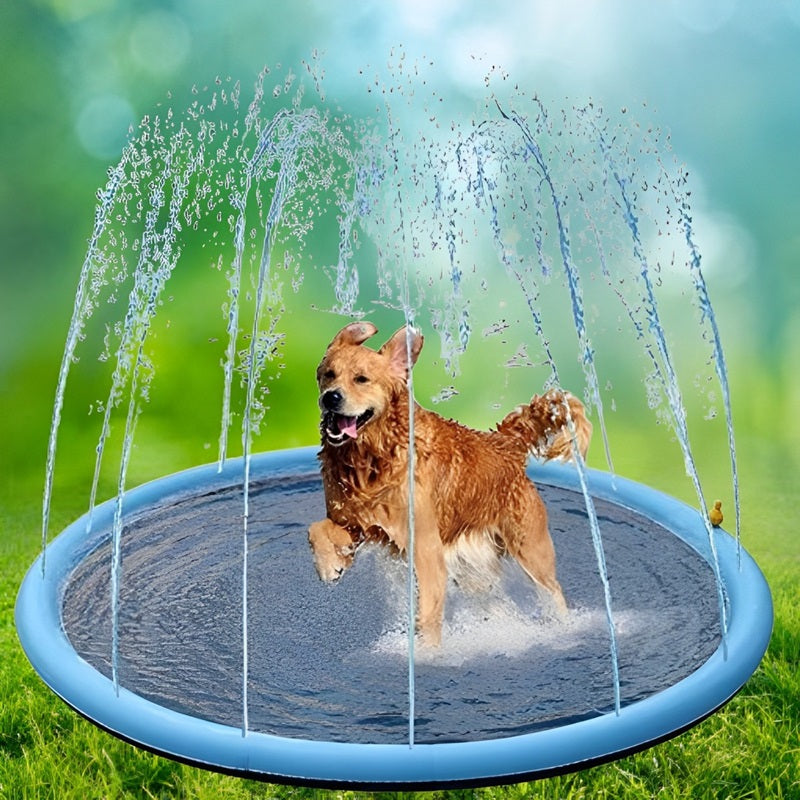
(431, 572)
(527, 539)
(333, 549)
(431, 583)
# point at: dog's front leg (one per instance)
(431, 571)
(333, 549)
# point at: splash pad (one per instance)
(510, 695)
(238, 659)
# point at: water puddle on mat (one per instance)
(330, 661)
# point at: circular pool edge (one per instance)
(394, 766)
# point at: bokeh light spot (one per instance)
(160, 42)
(102, 125)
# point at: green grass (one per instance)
(750, 749)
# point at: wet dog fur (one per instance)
(473, 500)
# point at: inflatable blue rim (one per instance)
(393, 766)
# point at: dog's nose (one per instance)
(332, 400)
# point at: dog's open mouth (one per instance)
(339, 428)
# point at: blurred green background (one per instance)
(720, 77)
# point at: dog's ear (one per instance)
(354, 333)
(402, 350)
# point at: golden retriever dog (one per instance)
(473, 500)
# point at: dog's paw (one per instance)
(331, 564)
(333, 549)
(429, 637)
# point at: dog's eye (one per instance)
(361, 379)
(329, 375)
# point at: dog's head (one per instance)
(357, 384)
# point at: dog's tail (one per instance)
(546, 426)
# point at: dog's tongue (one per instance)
(347, 425)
